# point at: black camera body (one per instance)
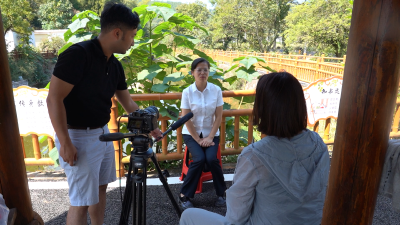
(143, 121)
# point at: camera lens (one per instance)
(153, 110)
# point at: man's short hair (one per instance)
(117, 15)
(279, 107)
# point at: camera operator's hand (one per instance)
(206, 142)
(69, 153)
(157, 134)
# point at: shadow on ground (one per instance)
(52, 205)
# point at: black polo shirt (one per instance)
(95, 81)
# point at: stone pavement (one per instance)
(52, 204)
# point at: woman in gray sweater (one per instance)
(282, 178)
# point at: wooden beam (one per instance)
(370, 85)
(14, 183)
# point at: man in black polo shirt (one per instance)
(85, 78)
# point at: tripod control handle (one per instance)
(111, 137)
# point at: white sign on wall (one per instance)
(322, 99)
(31, 107)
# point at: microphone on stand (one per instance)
(177, 124)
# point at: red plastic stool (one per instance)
(205, 176)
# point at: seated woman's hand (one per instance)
(206, 142)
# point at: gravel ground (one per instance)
(52, 205)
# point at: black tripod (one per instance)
(135, 191)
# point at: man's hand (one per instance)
(68, 153)
(207, 142)
(157, 134)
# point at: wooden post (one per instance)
(370, 85)
(223, 133)
(113, 127)
(13, 180)
(236, 132)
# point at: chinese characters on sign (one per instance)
(322, 99)
(32, 113)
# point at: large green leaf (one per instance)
(139, 34)
(161, 75)
(269, 68)
(161, 4)
(144, 15)
(85, 14)
(53, 154)
(173, 112)
(77, 24)
(203, 55)
(159, 88)
(79, 37)
(42, 138)
(164, 12)
(161, 49)
(227, 106)
(248, 62)
(183, 64)
(65, 47)
(185, 58)
(163, 26)
(67, 35)
(173, 77)
(231, 80)
(149, 73)
(247, 74)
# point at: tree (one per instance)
(55, 14)
(200, 14)
(16, 15)
(320, 24)
(255, 22)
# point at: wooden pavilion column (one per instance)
(370, 85)
(13, 179)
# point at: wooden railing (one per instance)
(327, 134)
(304, 67)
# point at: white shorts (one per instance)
(95, 165)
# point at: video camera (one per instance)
(143, 121)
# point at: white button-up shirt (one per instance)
(203, 106)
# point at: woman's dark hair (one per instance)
(197, 61)
(279, 108)
(116, 15)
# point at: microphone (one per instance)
(114, 136)
(177, 124)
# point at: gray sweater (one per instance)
(280, 181)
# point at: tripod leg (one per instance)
(166, 187)
(144, 194)
(127, 198)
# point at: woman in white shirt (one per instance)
(201, 133)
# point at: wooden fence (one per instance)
(47, 54)
(306, 68)
(327, 134)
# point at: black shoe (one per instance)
(221, 201)
(185, 202)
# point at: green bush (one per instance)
(31, 66)
(51, 44)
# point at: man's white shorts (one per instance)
(95, 165)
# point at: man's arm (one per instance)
(126, 101)
(59, 89)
